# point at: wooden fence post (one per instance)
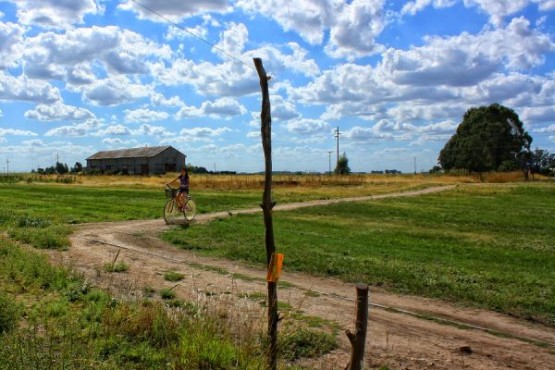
(358, 339)
(267, 206)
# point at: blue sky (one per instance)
(396, 77)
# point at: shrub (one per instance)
(116, 266)
(173, 276)
(306, 343)
(9, 313)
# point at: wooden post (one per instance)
(358, 339)
(267, 206)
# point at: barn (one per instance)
(137, 161)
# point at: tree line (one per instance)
(59, 169)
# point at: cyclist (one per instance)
(183, 187)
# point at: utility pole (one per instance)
(415, 165)
(337, 134)
(329, 160)
(7, 165)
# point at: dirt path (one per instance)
(405, 332)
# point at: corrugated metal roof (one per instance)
(147, 151)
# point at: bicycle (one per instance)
(172, 209)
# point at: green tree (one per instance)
(78, 167)
(541, 161)
(61, 168)
(343, 165)
(489, 138)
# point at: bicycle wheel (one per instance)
(170, 211)
(190, 209)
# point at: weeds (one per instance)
(173, 276)
(119, 266)
(10, 313)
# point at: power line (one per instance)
(153, 11)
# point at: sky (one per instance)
(395, 77)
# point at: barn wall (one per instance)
(170, 160)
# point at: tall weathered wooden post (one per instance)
(267, 205)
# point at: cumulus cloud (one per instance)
(151, 131)
(283, 110)
(353, 26)
(144, 115)
(356, 29)
(22, 88)
(113, 91)
(220, 108)
(196, 134)
(308, 18)
(11, 44)
(175, 10)
(471, 67)
(233, 39)
(16, 132)
(160, 100)
(81, 129)
(76, 53)
(413, 7)
(58, 112)
(55, 13)
(307, 126)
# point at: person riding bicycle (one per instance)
(183, 186)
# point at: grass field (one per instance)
(490, 246)
(484, 245)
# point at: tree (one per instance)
(78, 167)
(543, 162)
(489, 138)
(343, 165)
(61, 168)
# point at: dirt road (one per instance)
(405, 332)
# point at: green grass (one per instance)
(51, 318)
(489, 246)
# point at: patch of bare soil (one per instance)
(404, 332)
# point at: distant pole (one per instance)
(337, 133)
(329, 160)
(7, 165)
(415, 165)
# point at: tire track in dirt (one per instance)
(405, 332)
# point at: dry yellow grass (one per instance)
(291, 184)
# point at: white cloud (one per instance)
(76, 53)
(24, 89)
(11, 44)
(175, 10)
(152, 131)
(159, 99)
(233, 39)
(308, 18)
(356, 29)
(58, 112)
(353, 26)
(144, 115)
(220, 108)
(413, 7)
(16, 132)
(307, 126)
(113, 91)
(203, 133)
(55, 13)
(118, 142)
(76, 130)
(282, 110)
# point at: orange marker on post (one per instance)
(274, 269)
